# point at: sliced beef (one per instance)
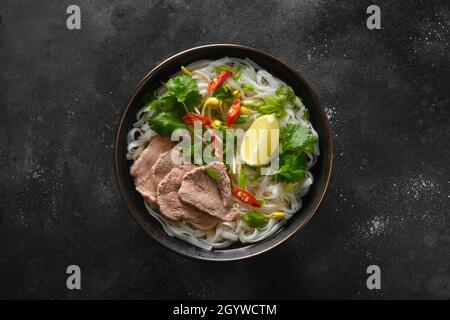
(208, 195)
(141, 168)
(171, 206)
(164, 165)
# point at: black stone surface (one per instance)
(387, 95)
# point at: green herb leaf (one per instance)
(212, 173)
(148, 96)
(184, 89)
(150, 105)
(285, 93)
(166, 122)
(296, 138)
(181, 96)
(295, 141)
(255, 219)
(292, 167)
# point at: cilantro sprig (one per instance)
(295, 141)
(180, 96)
(284, 95)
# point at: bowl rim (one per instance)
(327, 134)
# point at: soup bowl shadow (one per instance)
(321, 170)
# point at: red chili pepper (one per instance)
(245, 197)
(233, 112)
(190, 118)
(218, 80)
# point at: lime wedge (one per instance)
(260, 141)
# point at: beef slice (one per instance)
(141, 168)
(208, 195)
(171, 206)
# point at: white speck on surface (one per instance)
(377, 226)
(422, 187)
(38, 173)
(331, 113)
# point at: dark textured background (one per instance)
(386, 93)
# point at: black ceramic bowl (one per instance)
(321, 170)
